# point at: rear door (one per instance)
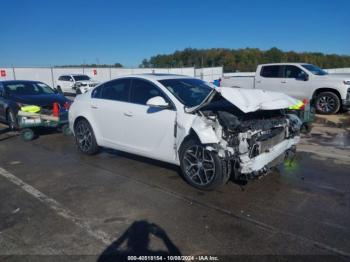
(150, 130)
(109, 106)
(270, 78)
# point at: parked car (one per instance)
(16, 94)
(75, 84)
(212, 134)
(329, 93)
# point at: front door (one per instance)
(150, 130)
(296, 82)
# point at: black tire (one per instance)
(27, 134)
(200, 179)
(11, 120)
(327, 103)
(85, 138)
(78, 91)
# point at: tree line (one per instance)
(116, 65)
(243, 60)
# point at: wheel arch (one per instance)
(325, 89)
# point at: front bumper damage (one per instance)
(261, 164)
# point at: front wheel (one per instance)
(327, 103)
(11, 120)
(201, 168)
(85, 137)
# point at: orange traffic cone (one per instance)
(55, 110)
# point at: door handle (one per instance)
(283, 81)
(94, 107)
(259, 81)
(128, 114)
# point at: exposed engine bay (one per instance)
(250, 143)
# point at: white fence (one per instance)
(338, 71)
(50, 75)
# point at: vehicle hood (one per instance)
(250, 100)
(39, 100)
(334, 77)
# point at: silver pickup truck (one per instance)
(329, 93)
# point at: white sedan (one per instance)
(212, 134)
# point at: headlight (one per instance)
(346, 82)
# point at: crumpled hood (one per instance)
(250, 100)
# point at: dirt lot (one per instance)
(55, 201)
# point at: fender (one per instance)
(204, 131)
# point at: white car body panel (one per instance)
(253, 100)
(158, 134)
(290, 86)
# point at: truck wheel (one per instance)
(11, 120)
(327, 103)
(85, 138)
(201, 168)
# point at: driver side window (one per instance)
(293, 72)
(143, 90)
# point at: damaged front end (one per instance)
(249, 144)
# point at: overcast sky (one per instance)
(56, 32)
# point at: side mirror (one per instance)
(303, 77)
(158, 102)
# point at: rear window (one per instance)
(117, 90)
(271, 71)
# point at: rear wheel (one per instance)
(327, 103)
(201, 168)
(11, 120)
(85, 137)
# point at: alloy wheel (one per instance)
(84, 136)
(326, 104)
(199, 165)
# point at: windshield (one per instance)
(189, 91)
(81, 78)
(315, 70)
(30, 88)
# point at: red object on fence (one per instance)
(56, 109)
(95, 72)
(3, 73)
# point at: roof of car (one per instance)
(18, 81)
(157, 77)
(271, 64)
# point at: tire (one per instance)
(27, 134)
(11, 120)
(78, 91)
(327, 103)
(85, 138)
(205, 173)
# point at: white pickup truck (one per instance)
(329, 93)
